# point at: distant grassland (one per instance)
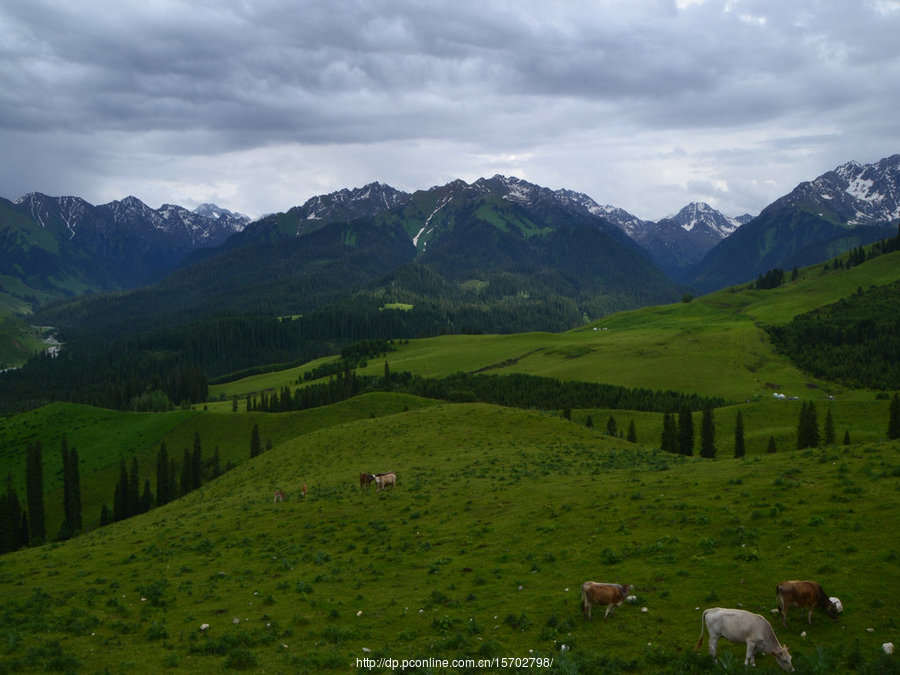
(498, 517)
(715, 345)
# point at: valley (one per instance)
(498, 516)
(521, 366)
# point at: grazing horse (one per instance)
(365, 479)
(805, 594)
(279, 496)
(382, 480)
(594, 593)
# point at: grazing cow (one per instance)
(594, 593)
(279, 496)
(365, 479)
(738, 625)
(382, 480)
(806, 594)
(303, 490)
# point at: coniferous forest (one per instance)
(855, 341)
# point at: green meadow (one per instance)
(713, 345)
(479, 552)
(498, 517)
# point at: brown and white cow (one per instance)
(806, 594)
(279, 496)
(383, 480)
(365, 479)
(738, 625)
(596, 593)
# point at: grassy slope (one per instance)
(493, 485)
(104, 437)
(498, 517)
(714, 345)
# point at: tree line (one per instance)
(854, 341)
(516, 390)
(23, 527)
(678, 433)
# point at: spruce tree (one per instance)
(255, 443)
(632, 433)
(803, 427)
(611, 427)
(686, 432)
(6, 526)
(708, 434)
(65, 530)
(807, 427)
(105, 517)
(829, 428)
(215, 467)
(847, 437)
(76, 489)
(24, 535)
(120, 498)
(34, 487)
(814, 436)
(71, 491)
(589, 422)
(197, 462)
(187, 478)
(893, 431)
(173, 480)
(12, 538)
(146, 502)
(663, 436)
(134, 489)
(770, 448)
(739, 449)
(669, 440)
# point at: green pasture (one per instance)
(498, 517)
(104, 437)
(714, 345)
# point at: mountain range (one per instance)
(64, 245)
(498, 240)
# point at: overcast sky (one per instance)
(257, 105)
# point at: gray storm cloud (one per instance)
(646, 105)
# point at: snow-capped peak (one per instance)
(701, 214)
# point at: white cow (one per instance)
(383, 480)
(738, 625)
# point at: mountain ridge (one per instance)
(66, 246)
(849, 206)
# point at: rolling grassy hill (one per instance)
(498, 517)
